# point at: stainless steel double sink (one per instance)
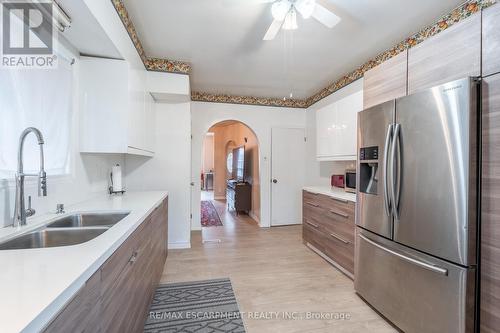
(68, 230)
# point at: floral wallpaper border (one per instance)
(249, 100)
(164, 65)
(151, 64)
(458, 14)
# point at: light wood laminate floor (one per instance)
(272, 271)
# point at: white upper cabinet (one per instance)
(150, 124)
(116, 109)
(336, 126)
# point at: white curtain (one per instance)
(41, 98)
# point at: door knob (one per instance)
(275, 181)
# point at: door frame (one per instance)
(271, 168)
(196, 200)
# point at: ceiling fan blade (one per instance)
(305, 7)
(273, 30)
(325, 16)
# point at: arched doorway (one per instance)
(230, 176)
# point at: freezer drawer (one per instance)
(416, 292)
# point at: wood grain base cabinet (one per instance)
(490, 210)
(117, 297)
(328, 225)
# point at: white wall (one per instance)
(261, 120)
(318, 173)
(169, 169)
(208, 153)
(88, 176)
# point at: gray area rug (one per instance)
(195, 307)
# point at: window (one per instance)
(41, 98)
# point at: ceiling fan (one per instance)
(285, 15)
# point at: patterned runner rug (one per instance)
(195, 307)
(209, 215)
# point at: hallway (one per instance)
(271, 270)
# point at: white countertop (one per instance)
(333, 192)
(35, 284)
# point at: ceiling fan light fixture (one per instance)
(290, 20)
(280, 9)
(305, 7)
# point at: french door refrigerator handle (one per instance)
(422, 264)
(396, 170)
(388, 140)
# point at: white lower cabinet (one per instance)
(116, 109)
(336, 126)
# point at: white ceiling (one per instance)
(222, 39)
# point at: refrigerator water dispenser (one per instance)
(368, 176)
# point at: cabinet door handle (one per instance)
(339, 214)
(429, 266)
(312, 204)
(387, 202)
(313, 224)
(339, 238)
(339, 200)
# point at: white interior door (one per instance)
(287, 175)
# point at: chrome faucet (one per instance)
(20, 211)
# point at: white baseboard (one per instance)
(180, 245)
(195, 227)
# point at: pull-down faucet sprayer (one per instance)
(20, 211)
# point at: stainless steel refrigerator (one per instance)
(416, 211)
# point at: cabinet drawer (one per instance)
(329, 226)
(120, 302)
(312, 212)
(311, 233)
(337, 205)
(339, 249)
(82, 313)
(310, 195)
(142, 291)
(117, 308)
(323, 201)
(338, 225)
(342, 215)
(331, 214)
(120, 259)
(423, 280)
